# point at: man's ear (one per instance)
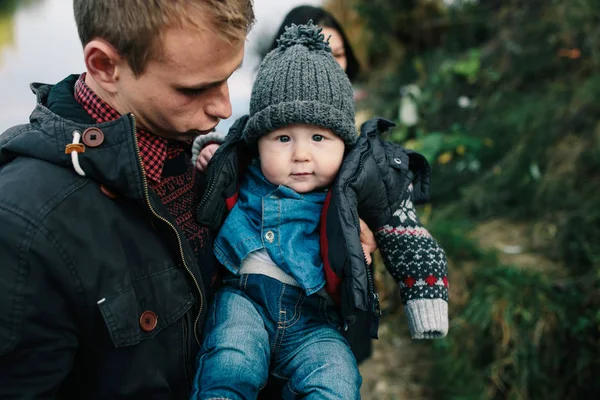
(103, 63)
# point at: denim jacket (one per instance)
(280, 220)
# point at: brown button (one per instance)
(92, 137)
(148, 321)
(111, 194)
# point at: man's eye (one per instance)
(191, 92)
(318, 138)
(284, 139)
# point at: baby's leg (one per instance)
(234, 359)
(320, 364)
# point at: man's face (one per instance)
(183, 92)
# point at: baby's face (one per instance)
(301, 157)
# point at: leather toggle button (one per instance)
(148, 321)
(92, 137)
(111, 194)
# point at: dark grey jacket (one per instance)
(100, 297)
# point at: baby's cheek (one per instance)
(271, 175)
(331, 173)
(336, 164)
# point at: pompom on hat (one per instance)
(300, 82)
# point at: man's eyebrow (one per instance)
(209, 85)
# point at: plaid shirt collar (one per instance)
(154, 150)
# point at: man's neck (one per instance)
(104, 95)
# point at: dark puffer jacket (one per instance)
(380, 182)
(101, 297)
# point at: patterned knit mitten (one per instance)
(418, 264)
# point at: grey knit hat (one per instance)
(300, 82)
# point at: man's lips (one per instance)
(199, 132)
(204, 132)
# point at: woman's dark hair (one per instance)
(302, 14)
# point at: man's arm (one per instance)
(38, 333)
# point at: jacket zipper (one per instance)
(375, 307)
(189, 374)
(179, 242)
(373, 296)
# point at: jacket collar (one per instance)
(114, 163)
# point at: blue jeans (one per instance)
(257, 324)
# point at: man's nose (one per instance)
(220, 104)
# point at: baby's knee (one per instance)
(336, 378)
(231, 371)
(346, 378)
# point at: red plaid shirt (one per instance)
(161, 158)
(153, 149)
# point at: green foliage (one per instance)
(518, 337)
(9, 7)
(508, 112)
(515, 334)
(499, 92)
(468, 67)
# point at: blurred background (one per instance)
(502, 97)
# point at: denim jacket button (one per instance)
(270, 236)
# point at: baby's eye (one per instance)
(318, 138)
(284, 139)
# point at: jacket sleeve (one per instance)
(384, 181)
(203, 140)
(222, 177)
(38, 333)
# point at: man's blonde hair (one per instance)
(134, 27)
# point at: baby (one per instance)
(272, 314)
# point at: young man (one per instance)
(105, 273)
